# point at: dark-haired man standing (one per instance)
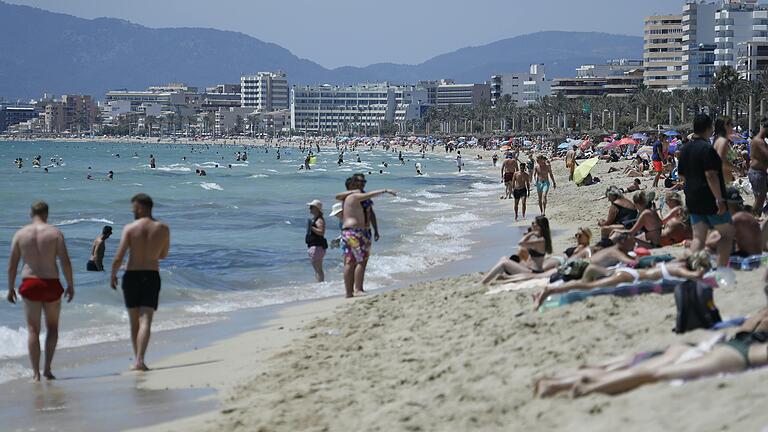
(147, 241)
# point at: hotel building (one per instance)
(663, 52)
(264, 91)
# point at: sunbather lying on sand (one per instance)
(747, 349)
(595, 276)
(537, 242)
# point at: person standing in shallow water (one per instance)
(39, 245)
(147, 241)
(96, 263)
(152, 161)
(315, 238)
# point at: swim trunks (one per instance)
(520, 193)
(41, 290)
(508, 176)
(542, 186)
(356, 244)
(92, 267)
(759, 181)
(316, 253)
(658, 166)
(141, 288)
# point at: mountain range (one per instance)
(42, 51)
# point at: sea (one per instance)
(237, 234)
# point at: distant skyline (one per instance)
(361, 32)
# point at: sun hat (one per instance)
(316, 203)
(337, 208)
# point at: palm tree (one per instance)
(726, 80)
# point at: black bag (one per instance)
(695, 307)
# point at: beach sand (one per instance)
(446, 356)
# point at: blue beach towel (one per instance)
(748, 263)
(622, 290)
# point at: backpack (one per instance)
(695, 307)
(571, 270)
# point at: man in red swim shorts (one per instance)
(39, 245)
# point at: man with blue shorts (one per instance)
(701, 170)
(543, 173)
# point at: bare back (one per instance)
(758, 156)
(39, 245)
(147, 241)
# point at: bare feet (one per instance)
(539, 298)
(546, 387)
(49, 376)
(360, 293)
(140, 367)
(35, 378)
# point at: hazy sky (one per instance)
(360, 32)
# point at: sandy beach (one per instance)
(446, 355)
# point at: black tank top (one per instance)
(313, 239)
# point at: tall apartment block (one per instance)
(663, 52)
(264, 91)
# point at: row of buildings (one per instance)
(685, 50)
(679, 51)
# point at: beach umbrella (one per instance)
(627, 141)
(645, 150)
(582, 171)
(672, 133)
(564, 145)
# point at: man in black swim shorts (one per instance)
(146, 240)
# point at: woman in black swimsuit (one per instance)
(622, 213)
(537, 243)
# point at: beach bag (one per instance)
(571, 270)
(695, 307)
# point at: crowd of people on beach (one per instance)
(701, 217)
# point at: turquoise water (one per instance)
(237, 235)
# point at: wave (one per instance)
(259, 176)
(211, 186)
(174, 168)
(433, 206)
(83, 220)
(487, 186)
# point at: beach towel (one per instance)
(748, 263)
(531, 284)
(622, 290)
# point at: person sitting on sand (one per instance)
(537, 242)
(621, 214)
(636, 168)
(582, 249)
(748, 238)
(676, 226)
(648, 224)
(746, 349)
(694, 267)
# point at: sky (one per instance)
(361, 32)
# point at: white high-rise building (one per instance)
(327, 109)
(264, 91)
(699, 44)
(663, 52)
(524, 88)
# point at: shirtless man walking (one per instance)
(543, 173)
(570, 162)
(96, 263)
(508, 169)
(758, 167)
(356, 240)
(39, 245)
(147, 241)
(521, 187)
